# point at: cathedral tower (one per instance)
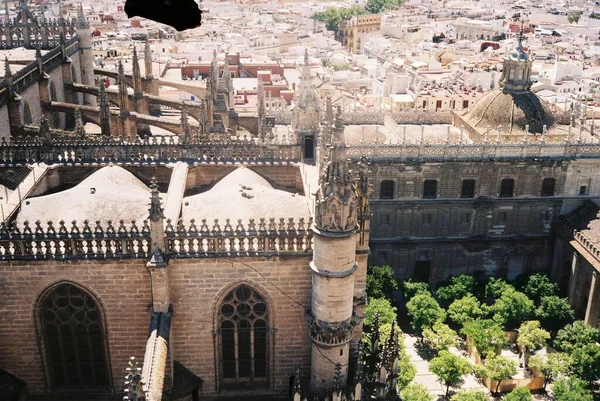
(332, 318)
(306, 112)
(86, 57)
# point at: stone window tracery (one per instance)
(244, 328)
(74, 340)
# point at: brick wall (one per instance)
(123, 291)
(287, 178)
(197, 285)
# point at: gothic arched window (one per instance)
(73, 334)
(27, 120)
(243, 323)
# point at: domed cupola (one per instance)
(516, 74)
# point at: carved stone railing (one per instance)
(74, 242)
(146, 151)
(238, 239)
(581, 238)
(449, 151)
(372, 118)
(328, 335)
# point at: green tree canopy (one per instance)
(440, 336)
(416, 392)
(380, 281)
(377, 6)
(332, 16)
(406, 370)
(571, 389)
(425, 312)
(411, 288)
(586, 362)
(457, 288)
(496, 287)
(498, 367)
(487, 335)
(450, 369)
(552, 366)
(532, 336)
(539, 286)
(381, 306)
(554, 313)
(512, 308)
(469, 395)
(465, 309)
(574, 17)
(574, 336)
(519, 394)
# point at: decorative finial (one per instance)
(134, 389)
(156, 211)
(7, 72)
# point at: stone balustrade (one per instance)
(238, 239)
(130, 240)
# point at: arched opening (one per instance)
(309, 148)
(73, 336)
(27, 120)
(243, 325)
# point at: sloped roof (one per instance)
(110, 193)
(246, 195)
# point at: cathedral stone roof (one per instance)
(110, 193)
(243, 194)
(513, 111)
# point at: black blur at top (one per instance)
(180, 14)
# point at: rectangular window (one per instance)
(452, 104)
(548, 187)
(468, 189)
(386, 190)
(424, 104)
(465, 104)
(502, 218)
(386, 219)
(426, 218)
(507, 188)
(583, 190)
(465, 218)
(422, 270)
(430, 189)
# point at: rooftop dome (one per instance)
(246, 195)
(513, 111)
(110, 193)
(514, 106)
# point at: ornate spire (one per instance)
(104, 111)
(6, 13)
(185, 128)
(82, 22)
(7, 72)
(214, 71)
(134, 388)
(137, 75)
(261, 108)
(336, 200)
(79, 128)
(516, 72)
(156, 210)
(44, 131)
(307, 104)
(123, 95)
(148, 60)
